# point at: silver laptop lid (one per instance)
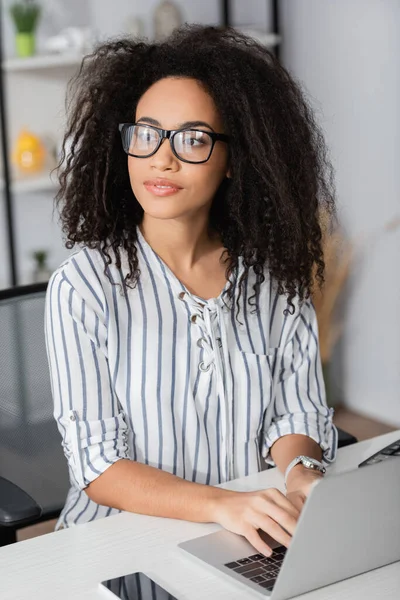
(350, 524)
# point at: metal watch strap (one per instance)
(315, 465)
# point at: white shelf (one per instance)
(31, 184)
(51, 61)
(45, 61)
(267, 39)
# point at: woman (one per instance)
(182, 341)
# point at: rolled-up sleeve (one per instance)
(299, 403)
(92, 426)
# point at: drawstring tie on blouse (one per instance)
(208, 316)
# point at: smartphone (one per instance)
(135, 586)
(392, 450)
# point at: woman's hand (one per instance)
(247, 512)
(299, 485)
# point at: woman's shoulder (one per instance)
(83, 264)
(84, 273)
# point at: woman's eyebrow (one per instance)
(185, 125)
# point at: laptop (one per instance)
(349, 524)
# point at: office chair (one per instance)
(34, 478)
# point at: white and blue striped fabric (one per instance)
(158, 375)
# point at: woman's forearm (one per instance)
(287, 447)
(135, 487)
(139, 488)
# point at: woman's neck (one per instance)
(181, 245)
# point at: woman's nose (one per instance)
(164, 158)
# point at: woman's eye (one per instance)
(193, 141)
(146, 136)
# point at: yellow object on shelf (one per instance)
(29, 154)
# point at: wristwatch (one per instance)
(308, 462)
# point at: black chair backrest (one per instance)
(30, 444)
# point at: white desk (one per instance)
(70, 563)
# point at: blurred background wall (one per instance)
(346, 54)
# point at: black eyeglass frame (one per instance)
(170, 134)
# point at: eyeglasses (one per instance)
(188, 145)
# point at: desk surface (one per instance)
(70, 563)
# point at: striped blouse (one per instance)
(158, 375)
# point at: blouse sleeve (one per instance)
(93, 430)
(300, 400)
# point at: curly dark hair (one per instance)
(281, 177)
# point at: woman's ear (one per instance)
(228, 174)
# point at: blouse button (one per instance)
(181, 295)
(193, 319)
(73, 418)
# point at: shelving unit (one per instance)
(41, 62)
(41, 74)
(45, 65)
(31, 184)
(271, 39)
(52, 70)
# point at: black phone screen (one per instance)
(135, 586)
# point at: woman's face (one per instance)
(168, 104)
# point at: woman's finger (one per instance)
(255, 540)
(285, 519)
(273, 529)
(283, 501)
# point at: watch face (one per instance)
(311, 463)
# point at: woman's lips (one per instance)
(161, 188)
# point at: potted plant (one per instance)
(42, 272)
(338, 257)
(339, 254)
(25, 14)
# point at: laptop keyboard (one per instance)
(259, 568)
(392, 450)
